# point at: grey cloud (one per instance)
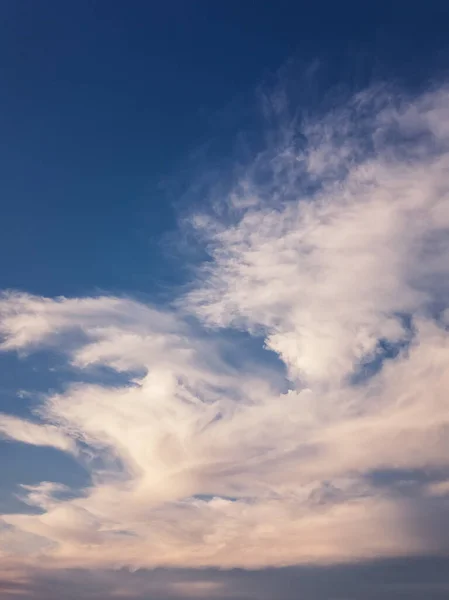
(399, 579)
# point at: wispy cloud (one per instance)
(27, 432)
(336, 251)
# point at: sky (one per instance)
(224, 307)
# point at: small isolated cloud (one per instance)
(336, 253)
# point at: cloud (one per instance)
(335, 252)
(328, 275)
(412, 578)
(27, 432)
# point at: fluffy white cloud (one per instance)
(327, 276)
(341, 260)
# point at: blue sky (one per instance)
(225, 300)
(101, 103)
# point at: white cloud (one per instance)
(201, 463)
(35, 434)
(327, 278)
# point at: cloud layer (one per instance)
(334, 252)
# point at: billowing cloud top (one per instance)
(335, 252)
